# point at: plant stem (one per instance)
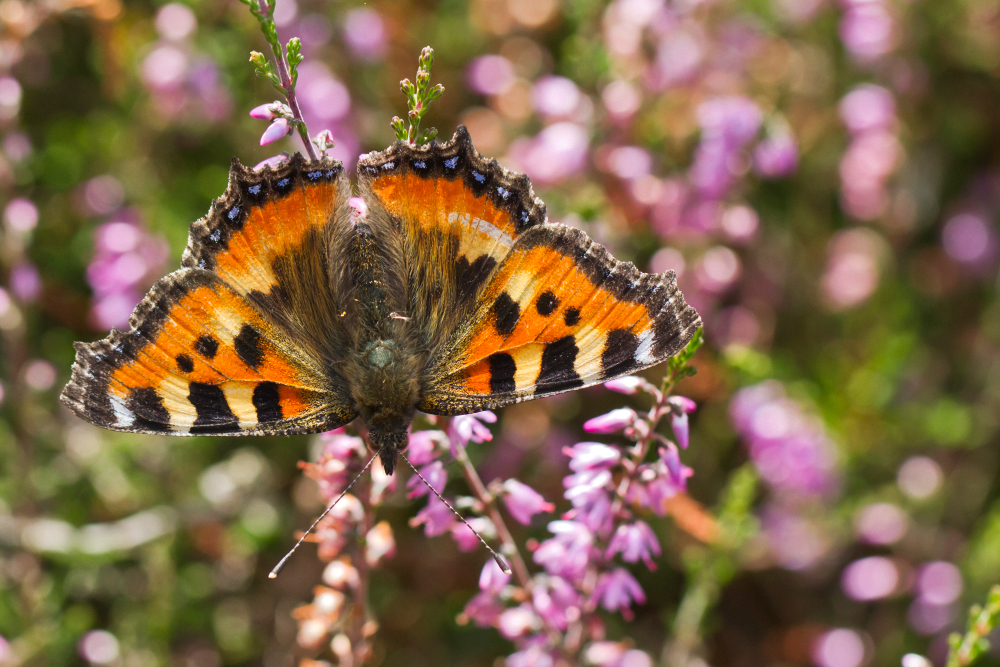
(286, 82)
(509, 547)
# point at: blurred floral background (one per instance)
(821, 174)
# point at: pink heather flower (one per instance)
(465, 539)
(970, 238)
(423, 446)
(365, 33)
(554, 154)
(534, 656)
(567, 553)
(341, 446)
(517, 622)
(680, 408)
(341, 574)
(630, 385)
(490, 75)
(436, 476)
(591, 456)
(556, 601)
(868, 107)
(555, 96)
(25, 281)
(523, 502)
(777, 156)
(278, 129)
(264, 111)
(492, 579)
(867, 31)
(469, 428)
(380, 543)
(436, 518)
(612, 422)
(484, 608)
(272, 162)
(617, 591)
(381, 484)
(591, 505)
(634, 541)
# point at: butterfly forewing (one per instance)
(240, 341)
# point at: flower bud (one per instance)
(614, 421)
(279, 129)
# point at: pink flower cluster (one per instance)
(126, 260)
(183, 83)
(874, 153)
(348, 540)
(554, 614)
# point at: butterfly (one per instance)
(451, 294)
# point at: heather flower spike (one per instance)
(418, 99)
(612, 422)
(283, 74)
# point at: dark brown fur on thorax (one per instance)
(384, 372)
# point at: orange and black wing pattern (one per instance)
(243, 338)
(559, 313)
(454, 217)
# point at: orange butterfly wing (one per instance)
(241, 340)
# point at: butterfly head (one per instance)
(387, 393)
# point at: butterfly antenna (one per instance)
(499, 560)
(281, 563)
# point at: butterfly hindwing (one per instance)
(241, 340)
(558, 314)
(454, 216)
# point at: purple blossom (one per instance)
(680, 408)
(533, 656)
(554, 154)
(279, 129)
(777, 156)
(490, 75)
(436, 476)
(791, 452)
(612, 422)
(264, 111)
(728, 124)
(465, 539)
(518, 621)
(555, 96)
(435, 517)
(492, 579)
(591, 456)
(630, 385)
(556, 601)
(867, 30)
(423, 446)
(484, 609)
(868, 107)
(523, 502)
(634, 541)
(567, 553)
(617, 590)
(469, 428)
(365, 33)
(25, 281)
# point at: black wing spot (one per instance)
(267, 402)
(502, 369)
(571, 317)
(618, 357)
(214, 413)
(206, 346)
(184, 363)
(507, 314)
(470, 277)
(547, 303)
(558, 369)
(248, 346)
(147, 406)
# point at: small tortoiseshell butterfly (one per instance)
(453, 294)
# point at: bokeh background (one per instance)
(822, 175)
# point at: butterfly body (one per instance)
(292, 313)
